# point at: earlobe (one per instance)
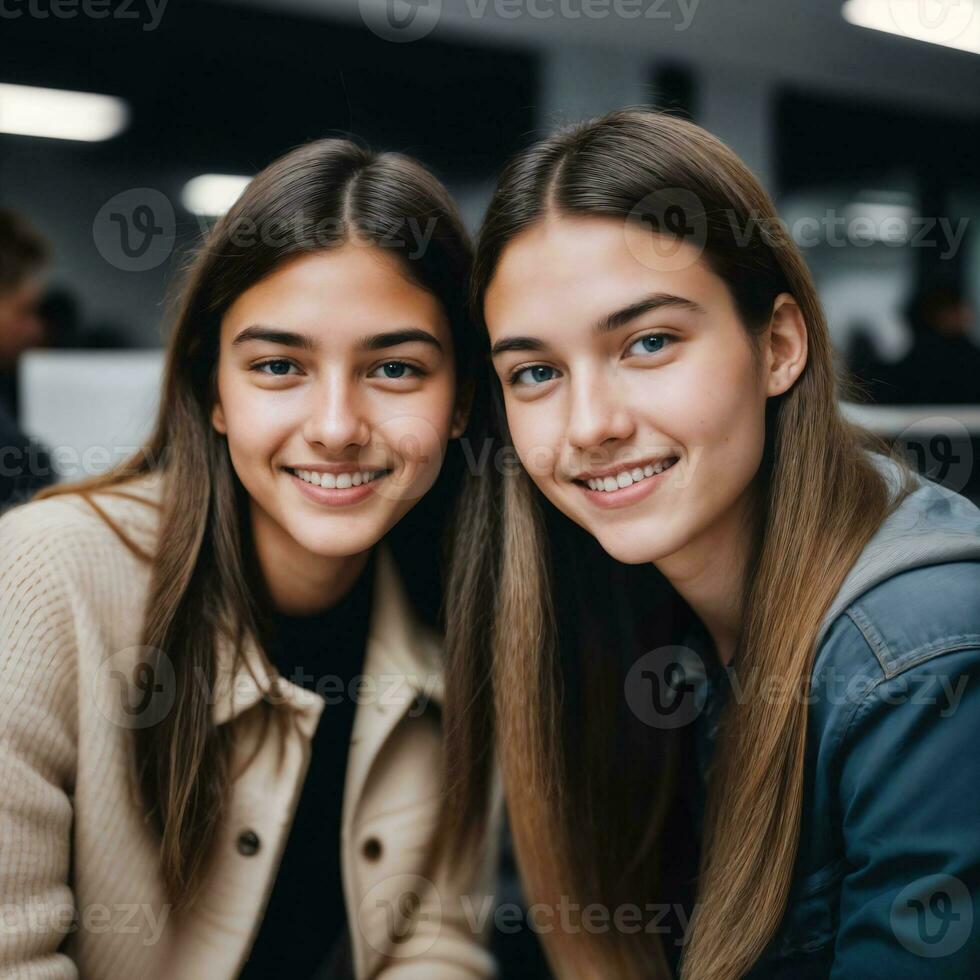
(218, 419)
(787, 345)
(461, 413)
(460, 418)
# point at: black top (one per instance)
(305, 922)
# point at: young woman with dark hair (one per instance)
(220, 681)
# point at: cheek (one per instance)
(536, 434)
(414, 441)
(717, 401)
(724, 427)
(254, 424)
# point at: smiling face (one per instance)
(634, 396)
(336, 392)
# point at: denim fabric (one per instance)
(887, 877)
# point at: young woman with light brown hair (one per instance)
(220, 674)
(703, 592)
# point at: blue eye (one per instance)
(393, 370)
(536, 374)
(653, 343)
(275, 364)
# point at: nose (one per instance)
(336, 419)
(598, 413)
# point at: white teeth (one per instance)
(627, 477)
(341, 481)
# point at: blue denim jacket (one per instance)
(887, 878)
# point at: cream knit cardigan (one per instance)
(80, 888)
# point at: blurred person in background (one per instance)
(943, 365)
(24, 464)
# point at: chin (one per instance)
(629, 550)
(633, 549)
(339, 544)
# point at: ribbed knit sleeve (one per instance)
(38, 717)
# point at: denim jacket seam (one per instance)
(951, 644)
(892, 666)
(839, 732)
(876, 642)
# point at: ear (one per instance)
(786, 345)
(218, 418)
(461, 413)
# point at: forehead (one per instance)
(586, 267)
(355, 286)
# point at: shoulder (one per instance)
(61, 552)
(69, 525)
(919, 614)
(903, 642)
(910, 618)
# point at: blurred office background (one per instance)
(861, 118)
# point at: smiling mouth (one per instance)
(337, 481)
(627, 476)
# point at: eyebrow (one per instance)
(608, 323)
(655, 301)
(377, 341)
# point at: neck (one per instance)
(299, 582)
(709, 574)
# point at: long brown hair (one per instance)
(204, 573)
(537, 618)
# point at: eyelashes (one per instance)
(257, 368)
(662, 337)
(515, 377)
(400, 367)
(394, 370)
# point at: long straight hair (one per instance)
(204, 570)
(537, 619)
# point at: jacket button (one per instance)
(248, 842)
(372, 849)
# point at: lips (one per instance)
(330, 480)
(610, 480)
